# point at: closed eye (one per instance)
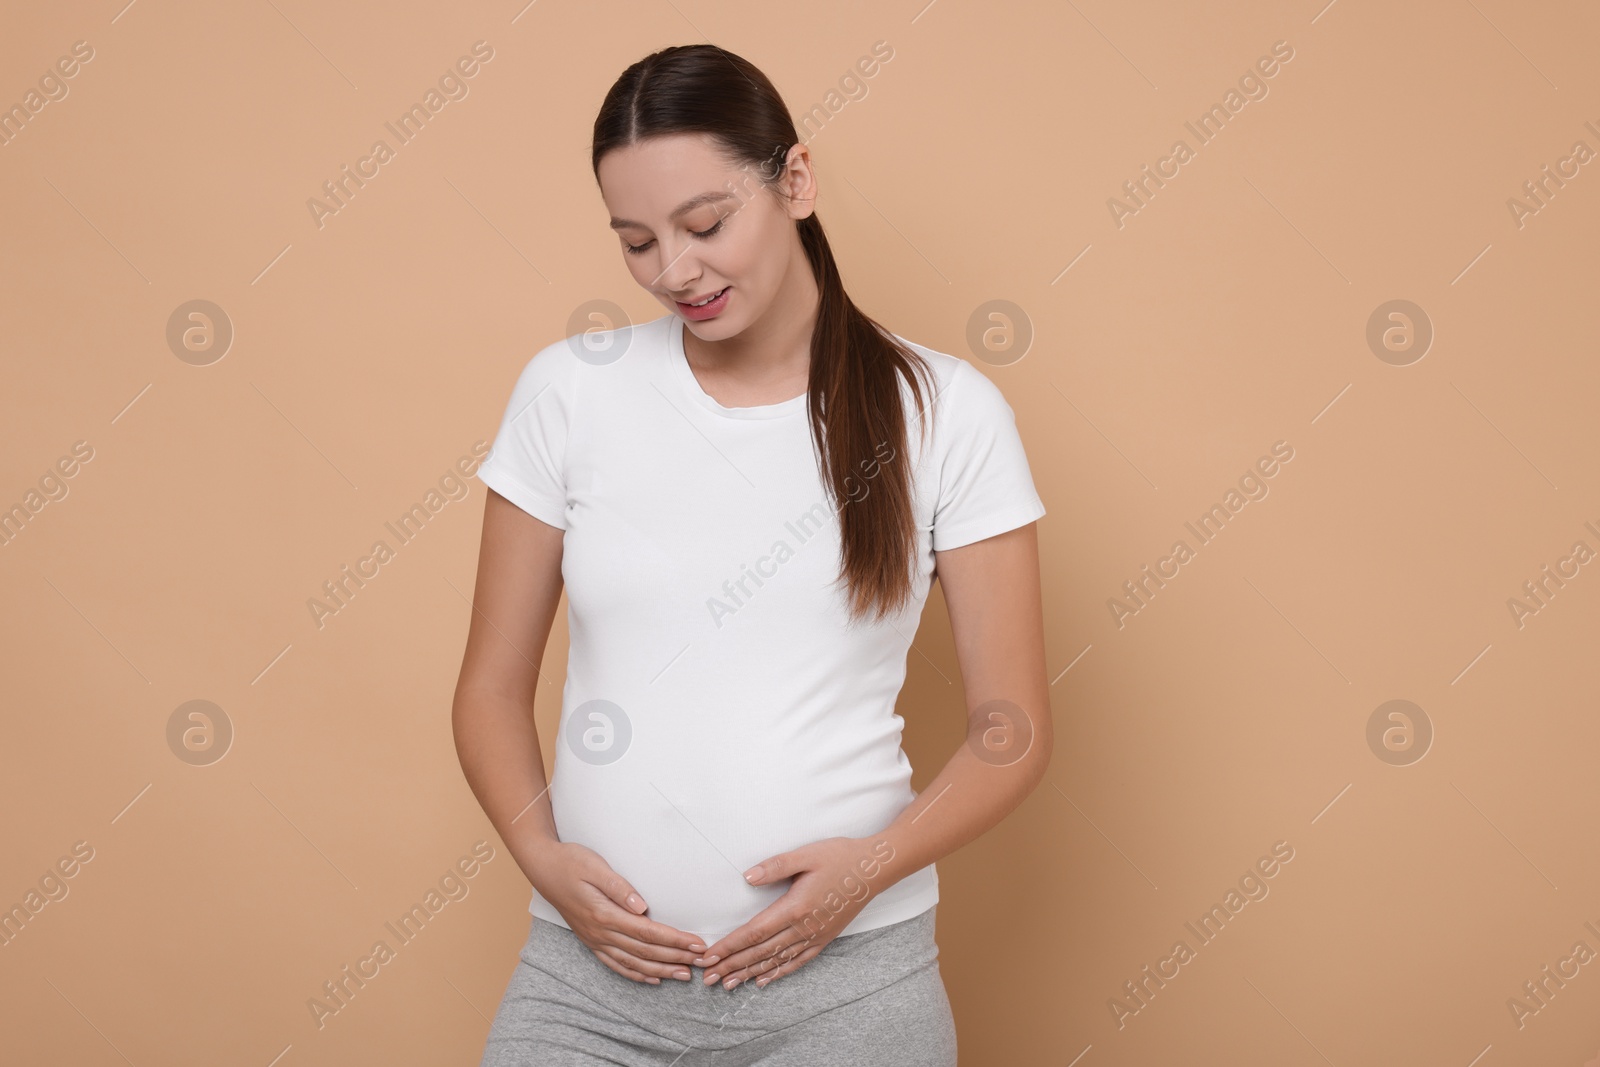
(638, 250)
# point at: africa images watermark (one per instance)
(454, 485)
(1538, 590)
(1537, 992)
(452, 85)
(53, 888)
(53, 488)
(1252, 887)
(850, 888)
(1252, 86)
(852, 86)
(1541, 190)
(1252, 486)
(803, 528)
(337, 993)
(53, 89)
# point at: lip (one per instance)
(689, 311)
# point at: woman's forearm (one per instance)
(498, 747)
(991, 589)
(968, 796)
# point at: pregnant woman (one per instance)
(746, 500)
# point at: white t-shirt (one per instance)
(719, 706)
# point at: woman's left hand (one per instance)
(831, 885)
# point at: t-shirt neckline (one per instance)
(691, 385)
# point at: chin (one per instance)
(718, 329)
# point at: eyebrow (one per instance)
(682, 209)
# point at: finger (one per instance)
(752, 961)
(788, 966)
(654, 971)
(651, 932)
(648, 950)
(772, 963)
(772, 869)
(758, 959)
(614, 916)
(626, 972)
(793, 965)
(766, 924)
(617, 889)
(805, 928)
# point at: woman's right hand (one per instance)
(607, 915)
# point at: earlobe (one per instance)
(802, 207)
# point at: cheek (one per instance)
(758, 258)
(640, 267)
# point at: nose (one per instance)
(679, 269)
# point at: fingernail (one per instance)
(711, 979)
(730, 983)
(761, 982)
(685, 975)
(753, 873)
(697, 947)
(653, 980)
(635, 902)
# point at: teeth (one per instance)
(708, 299)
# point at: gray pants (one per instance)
(870, 998)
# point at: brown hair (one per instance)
(854, 400)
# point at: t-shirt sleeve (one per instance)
(526, 463)
(985, 486)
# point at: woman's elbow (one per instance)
(1040, 753)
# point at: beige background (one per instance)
(1228, 313)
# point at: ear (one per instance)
(798, 182)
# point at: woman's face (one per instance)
(692, 225)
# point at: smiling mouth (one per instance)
(705, 301)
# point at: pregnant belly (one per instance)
(685, 847)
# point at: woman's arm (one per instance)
(991, 588)
(514, 605)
